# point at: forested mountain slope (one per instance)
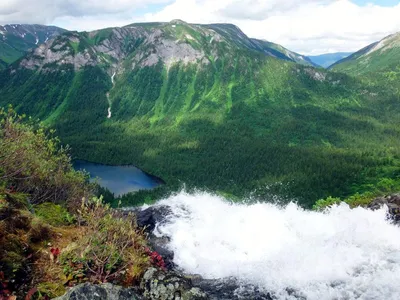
(207, 106)
(378, 61)
(17, 39)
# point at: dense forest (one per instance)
(242, 125)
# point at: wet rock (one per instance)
(150, 217)
(159, 285)
(106, 291)
(393, 204)
(160, 245)
(148, 220)
(229, 289)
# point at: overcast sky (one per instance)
(304, 26)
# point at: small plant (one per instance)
(324, 203)
(54, 214)
(111, 250)
(156, 259)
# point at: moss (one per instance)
(14, 255)
(39, 232)
(17, 200)
(51, 289)
(54, 214)
(14, 219)
(12, 263)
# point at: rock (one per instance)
(150, 217)
(160, 285)
(160, 245)
(229, 289)
(148, 220)
(393, 204)
(106, 291)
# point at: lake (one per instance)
(119, 179)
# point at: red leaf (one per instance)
(31, 293)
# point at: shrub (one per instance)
(33, 162)
(324, 203)
(54, 214)
(111, 250)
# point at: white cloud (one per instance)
(308, 26)
(49, 11)
(305, 26)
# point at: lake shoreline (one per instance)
(119, 178)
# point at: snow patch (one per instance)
(189, 37)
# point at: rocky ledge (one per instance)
(107, 291)
(393, 204)
(173, 284)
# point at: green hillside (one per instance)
(16, 40)
(206, 106)
(378, 62)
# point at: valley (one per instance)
(176, 160)
(207, 107)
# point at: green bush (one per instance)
(324, 203)
(54, 214)
(112, 249)
(33, 162)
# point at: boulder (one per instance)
(105, 291)
(150, 217)
(229, 289)
(159, 285)
(148, 220)
(393, 204)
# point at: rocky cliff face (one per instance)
(17, 39)
(134, 45)
(140, 45)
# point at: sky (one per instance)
(308, 27)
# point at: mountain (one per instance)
(378, 59)
(233, 33)
(207, 106)
(17, 39)
(293, 56)
(326, 60)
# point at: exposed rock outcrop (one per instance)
(393, 204)
(159, 285)
(106, 291)
(148, 220)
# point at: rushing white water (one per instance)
(108, 97)
(342, 253)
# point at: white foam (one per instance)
(340, 254)
(109, 113)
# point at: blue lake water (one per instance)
(119, 179)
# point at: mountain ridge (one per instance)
(209, 107)
(88, 47)
(17, 39)
(381, 57)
